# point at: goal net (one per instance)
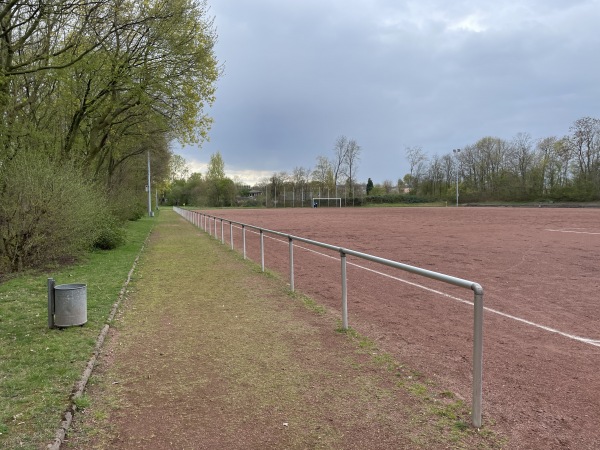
(327, 201)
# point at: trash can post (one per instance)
(50, 303)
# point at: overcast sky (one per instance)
(393, 74)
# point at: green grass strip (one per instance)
(39, 366)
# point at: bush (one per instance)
(47, 212)
(395, 198)
(128, 204)
(111, 234)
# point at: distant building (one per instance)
(254, 193)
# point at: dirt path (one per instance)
(210, 353)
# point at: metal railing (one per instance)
(208, 223)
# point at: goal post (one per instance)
(327, 201)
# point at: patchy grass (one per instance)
(308, 303)
(451, 417)
(39, 366)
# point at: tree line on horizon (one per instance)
(492, 169)
(331, 177)
(89, 91)
(518, 170)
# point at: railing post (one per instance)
(344, 292)
(262, 251)
(222, 234)
(231, 234)
(244, 240)
(216, 235)
(477, 357)
(291, 263)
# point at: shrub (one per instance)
(128, 204)
(395, 198)
(47, 212)
(111, 234)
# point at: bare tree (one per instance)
(339, 159)
(300, 177)
(351, 160)
(449, 168)
(388, 186)
(554, 156)
(584, 142)
(435, 174)
(323, 173)
(522, 157)
(416, 158)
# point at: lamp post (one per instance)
(456, 151)
(150, 214)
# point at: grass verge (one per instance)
(39, 366)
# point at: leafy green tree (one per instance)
(196, 188)
(369, 186)
(378, 190)
(178, 168)
(216, 167)
(98, 85)
(220, 189)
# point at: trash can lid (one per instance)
(70, 286)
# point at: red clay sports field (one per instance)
(539, 268)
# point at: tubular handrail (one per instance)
(203, 220)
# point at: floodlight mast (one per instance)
(456, 151)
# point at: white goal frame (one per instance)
(319, 199)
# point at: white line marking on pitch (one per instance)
(570, 231)
(495, 311)
(594, 342)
